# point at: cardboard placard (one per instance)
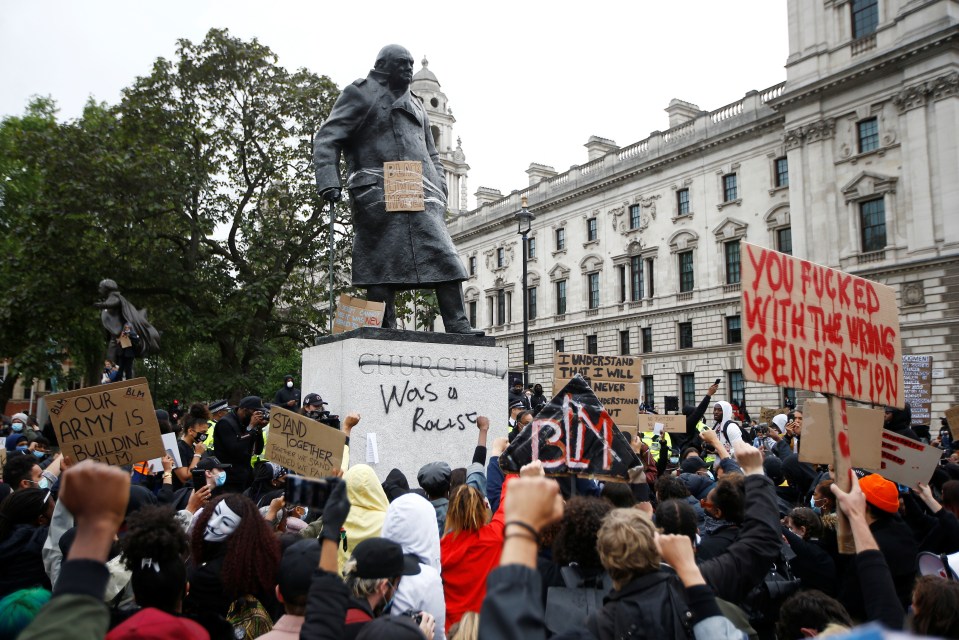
(952, 417)
(766, 415)
(572, 434)
(403, 185)
(594, 368)
(125, 341)
(905, 460)
(864, 433)
(810, 327)
(112, 423)
(917, 378)
(620, 399)
(353, 313)
(671, 423)
(169, 445)
(308, 447)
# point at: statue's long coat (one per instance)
(370, 126)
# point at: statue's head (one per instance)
(107, 286)
(397, 63)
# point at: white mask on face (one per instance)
(223, 523)
(289, 384)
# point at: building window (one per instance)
(634, 216)
(472, 265)
(872, 216)
(685, 335)
(635, 278)
(649, 277)
(865, 17)
(782, 172)
(647, 334)
(732, 262)
(789, 397)
(561, 239)
(624, 343)
(501, 257)
(531, 248)
(559, 346)
(868, 134)
(472, 312)
(737, 389)
(530, 353)
(730, 188)
(592, 346)
(560, 297)
(500, 306)
(591, 230)
(593, 281)
(621, 270)
(686, 271)
(734, 333)
(784, 240)
(531, 303)
(687, 389)
(649, 392)
(682, 202)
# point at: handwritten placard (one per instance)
(863, 430)
(112, 423)
(308, 447)
(906, 461)
(353, 313)
(670, 423)
(952, 418)
(596, 368)
(814, 328)
(917, 378)
(403, 185)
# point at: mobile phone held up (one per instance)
(718, 380)
(199, 478)
(308, 492)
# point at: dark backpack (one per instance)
(580, 597)
(653, 606)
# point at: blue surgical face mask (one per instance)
(17, 426)
(43, 483)
(22, 448)
(221, 479)
(812, 505)
(40, 454)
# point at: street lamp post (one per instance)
(524, 221)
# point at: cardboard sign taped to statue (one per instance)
(112, 423)
(572, 435)
(354, 313)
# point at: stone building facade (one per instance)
(852, 162)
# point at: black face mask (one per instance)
(200, 437)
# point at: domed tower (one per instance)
(427, 87)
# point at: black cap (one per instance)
(435, 478)
(517, 405)
(313, 400)
(296, 568)
(251, 402)
(692, 464)
(211, 463)
(381, 558)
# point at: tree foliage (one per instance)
(196, 194)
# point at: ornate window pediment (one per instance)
(778, 216)
(591, 263)
(532, 279)
(730, 229)
(492, 262)
(869, 185)
(471, 293)
(558, 272)
(683, 240)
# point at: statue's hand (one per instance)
(332, 194)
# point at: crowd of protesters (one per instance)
(722, 532)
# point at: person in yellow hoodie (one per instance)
(368, 505)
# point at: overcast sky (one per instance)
(526, 81)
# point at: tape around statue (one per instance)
(572, 435)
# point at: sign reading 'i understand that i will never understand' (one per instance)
(820, 329)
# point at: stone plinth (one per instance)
(419, 393)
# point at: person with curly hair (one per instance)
(24, 521)
(234, 555)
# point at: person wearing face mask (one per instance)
(288, 396)
(215, 472)
(725, 511)
(16, 444)
(18, 423)
(373, 575)
(237, 437)
(234, 558)
(813, 566)
(191, 443)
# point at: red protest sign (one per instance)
(572, 434)
(820, 329)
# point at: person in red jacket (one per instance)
(469, 550)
